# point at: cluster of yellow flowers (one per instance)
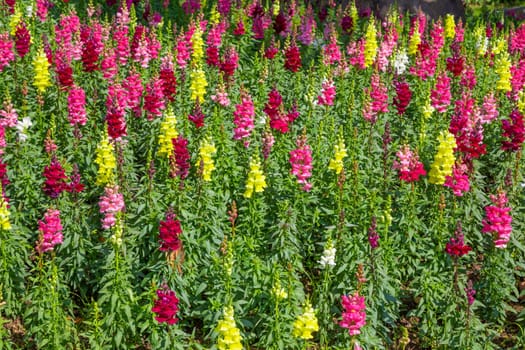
(279, 292)
(5, 224)
(256, 179)
(336, 164)
(168, 131)
(41, 67)
(229, 334)
(206, 151)
(198, 84)
(414, 41)
(444, 160)
(14, 21)
(197, 45)
(305, 324)
(450, 27)
(370, 44)
(215, 16)
(106, 162)
(197, 75)
(502, 65)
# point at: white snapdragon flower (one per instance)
(22, 127)
(328, 257)
(400, 62)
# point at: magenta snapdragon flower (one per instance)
(354, 315)
(50, 231)
(166, 306)
(498, 220)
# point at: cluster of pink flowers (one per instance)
(50, 231)
(470, 292)
(268, 141)
(331, 51)
(111, 203)
(260, 20)
(8, 119)
(307, 27)
(77, 106)
(327, 96)
(467, 128)
(197, 116)
(455, 64)
(230, 62)
(144, 46)
(134, 89)
(292, 57)
(403, 96)
(56, 179)
(6, 51)
(181, 157)
(243, 119)
(388, 44)
(373, 236)
(167, 77)
(440, 96)
(221, 97)
(301, 161)
(408, 166)
(354, 315)
(378, 102)
(513, 131)
(273, 108)
(458, 181)
(92, 46)
(184, 48)
(116, 104)
(456, 246)
(166, 306)
(498, 220)
(356, 53)
(489, 109)
(22, 40)
(169, 232)
(213, 43)
(154, 102)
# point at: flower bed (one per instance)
(207, 175)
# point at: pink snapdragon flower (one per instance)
(301, 161)
(6, 51)
(50, 231)
(221, 97)
(111, 203)
(408, 166)
(456, 246)
(458, 181)
(354, 315)
(243, 119)
(8, 115)
(498, 220)
(327, 96)
(166, 306)
(76, 104)
(489, 109)
(440, 96)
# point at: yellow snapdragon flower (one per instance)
(256, 179)
(168, 131)
(305, 324)
(206, 151)
(41, 67)
(336, 164)
(229, 334)
(444, 159)
(106, 161)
